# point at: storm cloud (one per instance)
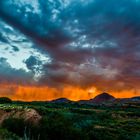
(86, 43)
(9, 75)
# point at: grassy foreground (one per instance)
(66, 121)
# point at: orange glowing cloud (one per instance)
(47, 93)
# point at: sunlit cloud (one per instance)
(70, 45)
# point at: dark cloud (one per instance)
(34, 64)
(93, 42)
(3, 39)
(16, 49)
(9, 75)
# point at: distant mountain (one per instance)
(104, 97)
(99, 99)
(127, 100)
(61, 100)
(137, 98)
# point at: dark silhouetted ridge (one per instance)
(136, 98)
(103, 98)
(61, 100)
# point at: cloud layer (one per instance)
(77, 43)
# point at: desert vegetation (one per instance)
(66, 121)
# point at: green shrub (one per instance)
(15, 125)
(21, 128)
(57, 127)
(5, 100)
(137, 137)
(5, 135)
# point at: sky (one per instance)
(75, 49)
